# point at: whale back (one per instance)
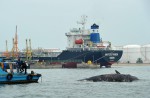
(112, 78)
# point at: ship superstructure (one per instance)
(81, 39)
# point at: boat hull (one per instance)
(19, 79)
(19, 82)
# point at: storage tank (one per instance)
(131, 53)
(145, 52)
(95, 37)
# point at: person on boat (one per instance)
(24, 67)
(21, 67)
(19, 63)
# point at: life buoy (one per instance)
(9, 76)
(29, 77)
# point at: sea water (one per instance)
(63, 83)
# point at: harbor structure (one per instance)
(15, 49)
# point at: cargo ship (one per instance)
(86, 45)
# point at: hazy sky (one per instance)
(46, 21)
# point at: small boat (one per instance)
(9, 74)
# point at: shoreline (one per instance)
(131, 64)
(58, 66)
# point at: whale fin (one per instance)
(117, 72)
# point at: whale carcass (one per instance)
(117, 77)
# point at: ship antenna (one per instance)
(83, 21)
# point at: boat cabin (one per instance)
(11, 66)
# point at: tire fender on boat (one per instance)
(29, 77)
(9, 76)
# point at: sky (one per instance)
(45, 22)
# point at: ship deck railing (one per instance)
(87, 49)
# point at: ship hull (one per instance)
(102, 57)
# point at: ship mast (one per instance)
(83, 22)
